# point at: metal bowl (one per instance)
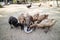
(25, 29)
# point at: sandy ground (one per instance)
(17, 34)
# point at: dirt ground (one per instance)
(17, 34)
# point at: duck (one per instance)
(39, 5)
(29, 5)
(21, 19)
